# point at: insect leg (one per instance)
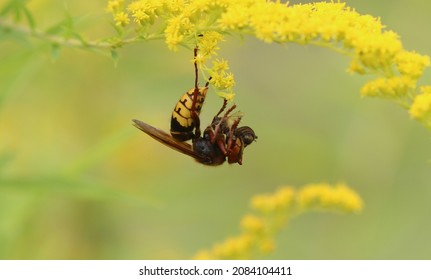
(230, 140)
(235, 145)
(193, 112)
(223, 119)
(222, 107)
(219, 140)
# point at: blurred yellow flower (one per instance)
(421, 107)
(263, 203)
(284, 197)
(115, 6)
(274, 212)
(252, 223)
(323, 196)
(233, 247)
(121, 19)
(280, 200)
(266, 246)
(203, 255)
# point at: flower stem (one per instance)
(8, 26)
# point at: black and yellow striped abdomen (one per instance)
(182, 123)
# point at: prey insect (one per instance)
(221, 140)
(230, 138)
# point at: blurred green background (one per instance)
(78, 181)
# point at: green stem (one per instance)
(9, 26)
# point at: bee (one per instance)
(220, 140)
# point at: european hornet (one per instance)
(185, 117)
(221, 139)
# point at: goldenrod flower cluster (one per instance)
(272, 212)
(121, 18)
(421, 108)
(323, 196)
(372, 48)
(221, 78)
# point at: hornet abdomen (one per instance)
(182, 122)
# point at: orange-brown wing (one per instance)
(167, 140)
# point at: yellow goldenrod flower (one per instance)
(421, 107)
(324, 196)
(263, 203)
(144, 11)
(266, 245)
(228, 95)
(280, 200)
(208, 43)
(220, 65)
(200, 6)
(393, 87)
(140, 16)
(115, 6)
(284, 197)
(240, 247)
(205, 23)
(356, 67)
(228, 81)
(252, 223)
(121, 19)
(233, 248)
(174, 6)
(235, 17)
(204, 255)
(199, 59)
(411, 64)
(376, 51)
(177, 30)
(222, 80)
(273, 213)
